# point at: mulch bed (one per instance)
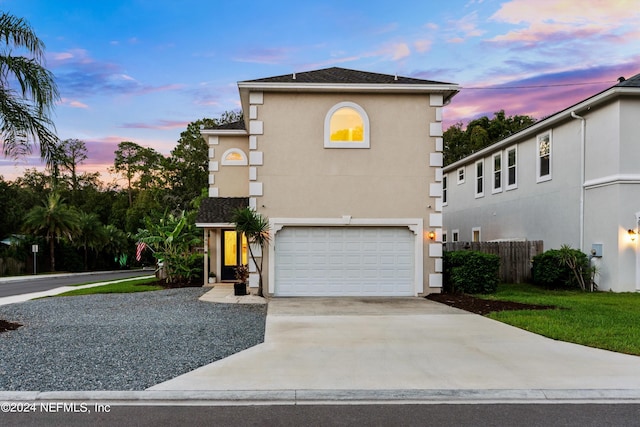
(482, 306)
(8, 326)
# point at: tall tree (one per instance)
(27, 90)
(189, 161)
(480, 133)
(90, 234)
(74, 153)
(133, 162)
(53, 220)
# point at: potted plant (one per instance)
(242, 275)
(212, 277)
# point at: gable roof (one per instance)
(219, 210)
(629, 86)
(337, 75)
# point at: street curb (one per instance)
(334, 397)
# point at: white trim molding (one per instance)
(416, 225)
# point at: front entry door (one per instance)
(234, 253)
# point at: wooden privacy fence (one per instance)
(515, 257)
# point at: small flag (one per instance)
(139, 248)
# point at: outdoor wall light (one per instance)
(632, 234)
(432, 235)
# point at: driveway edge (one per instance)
(334, 397)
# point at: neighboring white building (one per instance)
(572, 178)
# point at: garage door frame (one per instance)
(416, 225)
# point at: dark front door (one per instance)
(234, 253)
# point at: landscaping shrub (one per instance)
(551, 271)
(470, 272)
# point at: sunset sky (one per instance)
(141, 70)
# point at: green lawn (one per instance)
(604, 320)
(134, 285)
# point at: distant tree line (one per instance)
(82, 223)
(460, 141)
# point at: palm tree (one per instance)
(255, 227)
(91, 234)
(27, 90)
(53, 220)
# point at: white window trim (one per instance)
(473, 231)
(242, 162)
(327, 128)
(445, 188)
(515, 184)
(495, 189)
(455, 235)
(462, 169)
(484, 176)
(549, 176)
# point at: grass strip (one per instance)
(136, 285)
(603, 320)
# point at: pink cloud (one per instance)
(73, 103)
(160, 124)
(544, 20)
(539, 96)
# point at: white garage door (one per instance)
(344, 261)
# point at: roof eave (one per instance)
(449, 90)
(223, 132)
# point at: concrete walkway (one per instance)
(365, 344)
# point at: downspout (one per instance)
(582, 167)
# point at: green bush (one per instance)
(552, 272)
(471, 272)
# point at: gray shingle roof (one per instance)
(630, 82)
(337, 75)
(220, 209)
(239, 125)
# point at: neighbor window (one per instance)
(480, 178)
(444, 190)
(346, 125)
(543, 165)
(461, 175)
(455, 234)
(475, 234)
(234, 157)
(497, 173)
(512, 181)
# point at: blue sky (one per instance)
(141, 70)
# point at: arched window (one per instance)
(234, 157)
(346, 126)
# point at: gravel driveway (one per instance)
(120, 341)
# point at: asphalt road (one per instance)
(445, 415)
(39, 283)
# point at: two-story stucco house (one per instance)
(347, 167)
(572, 178)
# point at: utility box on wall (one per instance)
(596, 250)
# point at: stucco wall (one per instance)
(230, 180)
(391, 179)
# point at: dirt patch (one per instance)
(482, 306)
(8, 326)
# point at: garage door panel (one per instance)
(322, 261)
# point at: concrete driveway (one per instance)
(404, 344)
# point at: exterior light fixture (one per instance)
(432, 235)
(632, 234)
